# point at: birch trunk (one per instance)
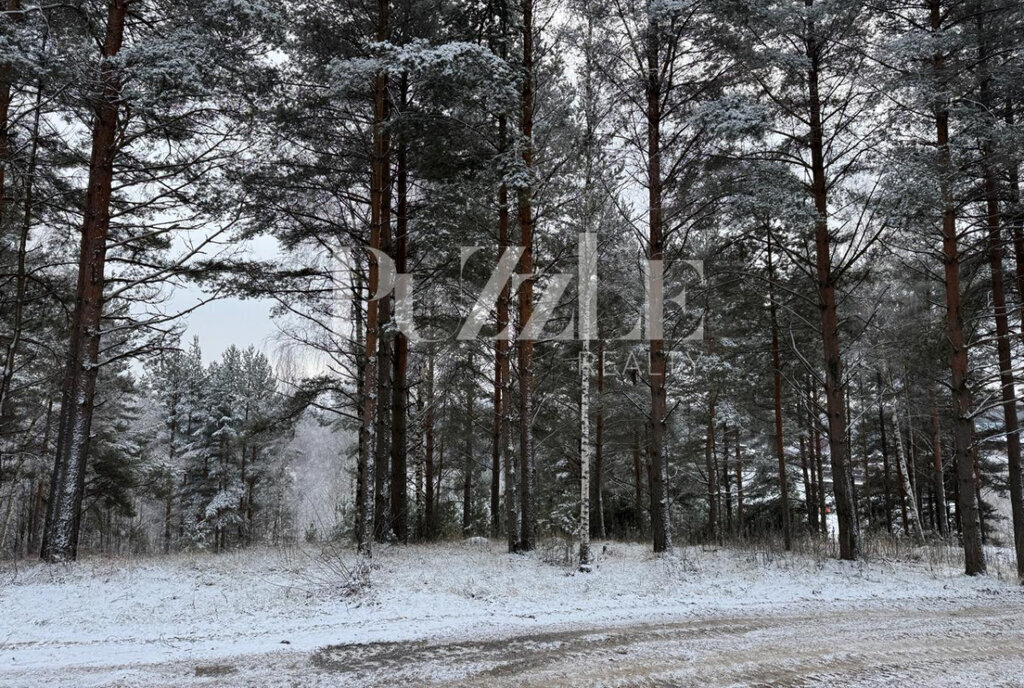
(913, 516)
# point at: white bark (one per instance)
(587, 277)
(913, 517)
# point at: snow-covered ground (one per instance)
(216, 619)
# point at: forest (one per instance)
(679, 272)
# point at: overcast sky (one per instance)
(222, 323)
(219, 324)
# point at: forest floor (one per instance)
(470, 614)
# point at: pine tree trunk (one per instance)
(361, 348)
(842, 479)
(658, 360)
(439, 487)
(1006, 382)
(712, 473)
(420, 535)
(513, 525)
(1016, 222)
(467, 459)
(379, 220)
(528, 528)
(385, 340)
(939, 483)
(399, 383)
(498, 448)
(21, 269)
(496, 441)
(63, 515)
(886, 482)
(6, 79)
(963, 429)
(382, 419)
(869, 517)
(638, 488)
(807, 460)
(807, 471)
(726, 481)
(1001, 311)
(780, 454)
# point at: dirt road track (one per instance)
(977, 647)
(953, 645)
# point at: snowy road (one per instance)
(978, 646)
(454, 615)
(981, 645)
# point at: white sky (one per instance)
(224, 322)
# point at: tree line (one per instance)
(834, 185)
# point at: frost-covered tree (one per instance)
(157, 96)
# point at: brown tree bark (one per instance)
(1000, 310)
(63, 515)
(379, 217)
(399, 379)
(963, 428)
(382, 526)
(842, 478)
